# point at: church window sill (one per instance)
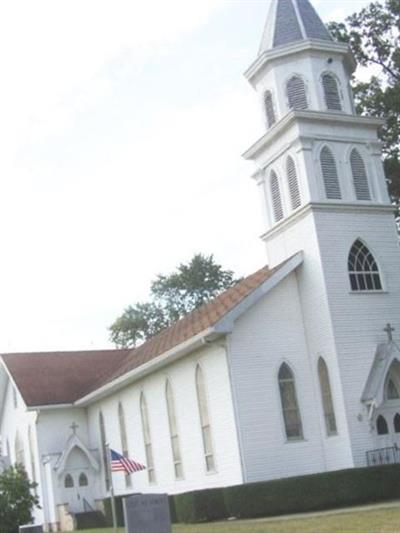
(368, 292)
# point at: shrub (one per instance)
(200, 506)
(17, 499)
(314, 492)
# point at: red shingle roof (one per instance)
(64, 377)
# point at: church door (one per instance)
(79, 491)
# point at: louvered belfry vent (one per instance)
(330, 175)
(331, 92)
(360, 178)
(269, 109)
(293, 183)
(296, 93)
(276, 197)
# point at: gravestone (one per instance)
(147, 513)
(30, 529)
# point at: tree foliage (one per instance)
(17, 499)
(373, 35)
(172, 296)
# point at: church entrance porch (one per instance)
(78, 492)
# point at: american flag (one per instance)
(119, 463)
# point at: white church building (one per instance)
(295, 370)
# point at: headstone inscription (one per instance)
(147, 513)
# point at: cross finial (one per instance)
(74, 426)
(389, 330)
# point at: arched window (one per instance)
(124, 440)
(32, 454)
(296, 93)
(269, 108)
(360, 179)
(396, 423)
(104, 451)
(8, 450)
(331, 92)
(204, 420)
(68, 481)
(19, 450)
(363, 269)
(326, 394)
(276, 197)
(83, 480)
(381, 425)
(173, 431)
(330, 175)
(293, 183)
(147, 439)
(290, 408)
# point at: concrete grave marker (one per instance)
(147, 513)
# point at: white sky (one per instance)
(121, 126)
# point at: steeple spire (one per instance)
(291, 21)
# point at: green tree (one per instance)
(373, 35)
(172, 296)
(17, 499)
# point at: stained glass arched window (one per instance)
(68, 481)
(290, 407)
(147, 439)
(326, 394)
(124, 439)
(396, 423)
(269, 108)
(381, 425)
(104, 451)
(363, 269)
(173, 431)
(83, 480)
(204, 420)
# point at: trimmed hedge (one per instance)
(200, 506)
(316, 492)
(90, 520)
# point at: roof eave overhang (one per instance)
(296, 48)
(307, 116)
(220, 329)
(198, 341)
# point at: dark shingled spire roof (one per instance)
(291, 21)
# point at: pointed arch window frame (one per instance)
(284, 410)
(306, 103)
(174, 433)
(275, 196)
(292, 181)
(328, 405)
(363, 280)
(332, 75)
(367, 183)
(103, 444)
(269, 108)
(124, 439)
(327, 181)
(147, 438)
(205, 421)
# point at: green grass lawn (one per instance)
(369, 521)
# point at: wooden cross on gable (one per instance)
(389, 330)
(74, 426)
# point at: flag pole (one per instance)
(113, 509)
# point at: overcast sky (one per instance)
(121, 126)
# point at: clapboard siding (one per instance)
(182, 378)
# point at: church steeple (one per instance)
(316, 153)
(291, 21)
